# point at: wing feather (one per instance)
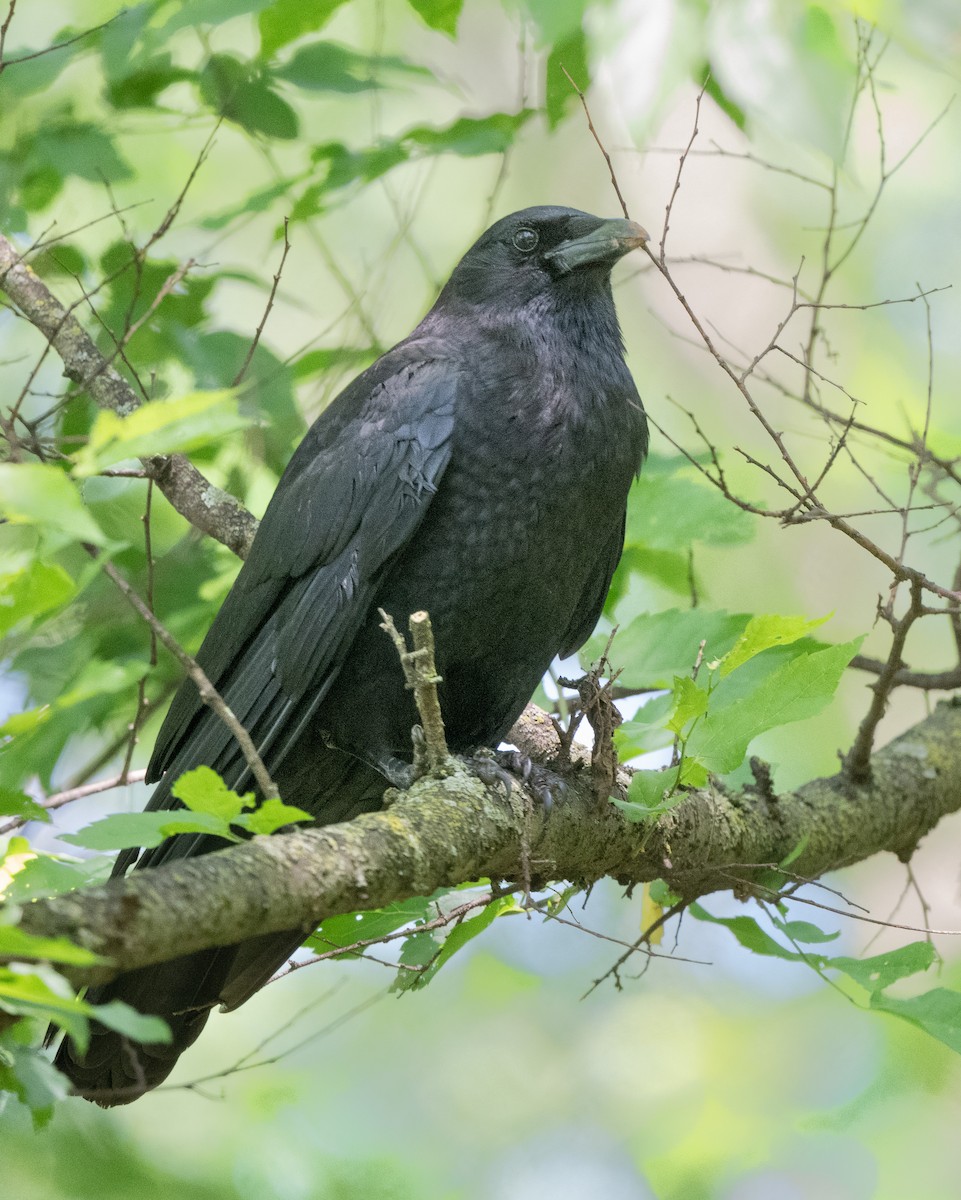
(353, 496)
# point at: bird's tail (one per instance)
(115, 1069)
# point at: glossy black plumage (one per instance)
(480, 470)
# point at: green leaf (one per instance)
(141, 87)
(471, 136)
(762, 633)
(793, 691)
(647, 730)
(329, 67)
(453, 938)
(747, 931)
(671, 506)
(51, 875)
(669, 568)
(126, 1020)
(272, 815)
(14, 803)
(655, 647)
(804, 931)
(875, 974)
(690, 702)
(239, 92)
(555, 19)
(124, 831)
(161, 427)
(40, 993)
(211, 12)
(17, 943)
(650, 794)
(703, 73)
(570, 55)
(27, 1073)
(39, 589)
(203, 791)
(439, 14)
(285, 21)
(41, 494)
(937, 1012)
(81, 149)
(358, 927)
(315, 362)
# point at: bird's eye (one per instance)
(525, 240)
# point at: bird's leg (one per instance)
(400, 774)
(504, 767)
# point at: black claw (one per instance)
(489, 771)
(506, 766)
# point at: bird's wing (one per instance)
(352, 497)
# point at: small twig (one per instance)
(420, 674)
(58, 799)
(11, 62)
(208, 693)
(682, 160)
(600, 144)
(927, 681)
(252, 348)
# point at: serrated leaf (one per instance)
(793, 691)
(647, 730)
(161, 427)
(650, 794)
(203, 791)
(14, 803)
(689, 703)
(41, 494)
(124, 831)
(766, 631)
(655, 647)
(669, 507)
(272, 815)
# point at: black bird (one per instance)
(479, 470)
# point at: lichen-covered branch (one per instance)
(208, 508)
(445, 831)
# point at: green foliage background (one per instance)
(388, 135)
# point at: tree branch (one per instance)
(208, 508)
(446, 831)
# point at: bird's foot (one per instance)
(505, 767)
(399, 774)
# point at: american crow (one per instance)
(479, 470)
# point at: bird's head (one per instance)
(541, 250)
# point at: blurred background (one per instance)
(722, 1076)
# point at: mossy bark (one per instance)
(446, 831)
